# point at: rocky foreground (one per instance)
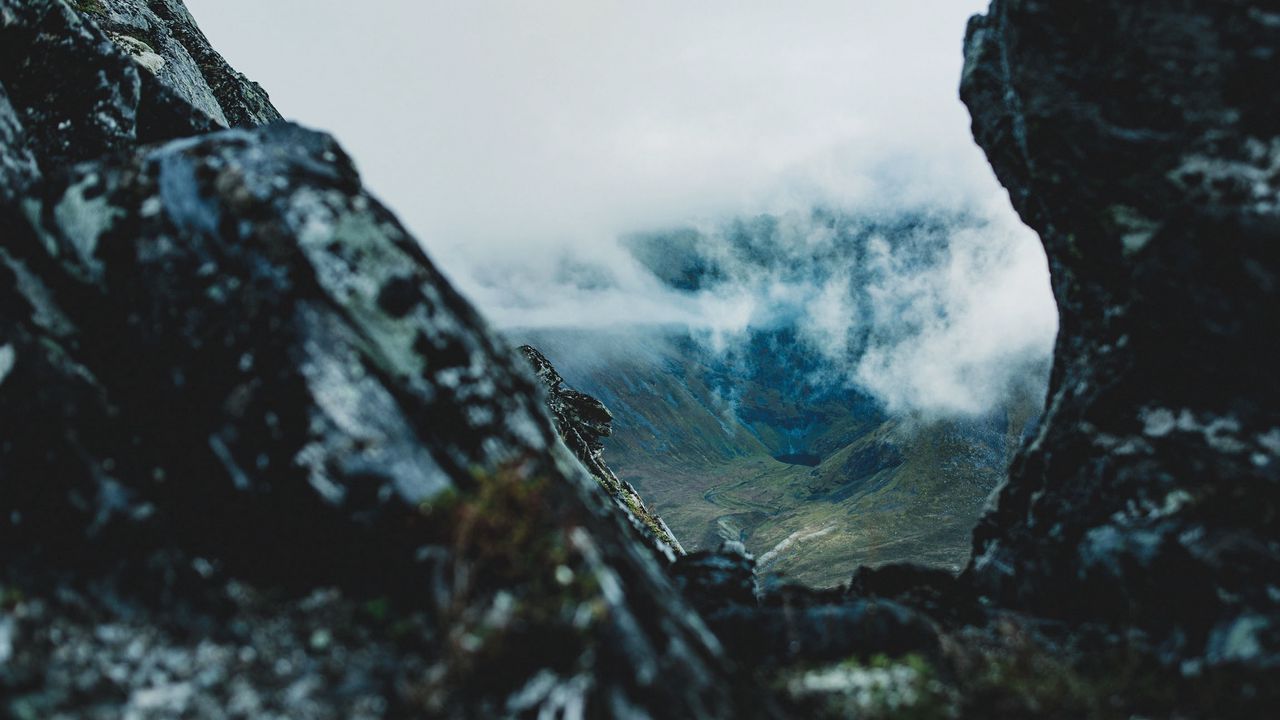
(258, 459)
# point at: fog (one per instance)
(521, 141)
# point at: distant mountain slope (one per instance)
(814, 480)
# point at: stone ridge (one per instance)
(582, 421)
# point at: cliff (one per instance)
(1141, 141)
(581, 421)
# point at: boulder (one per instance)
(245, 420)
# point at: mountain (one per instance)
(754, 445)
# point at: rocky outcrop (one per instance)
(146, 74)
(713, 580)
(257, 456)
(1142, 141)
(581, 421)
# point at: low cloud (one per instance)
(964, 335)
(934, 313)
(525, 143)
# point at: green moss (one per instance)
(515, 580)
(1010, 671)
(638, 509)
(1038, 685)
(1014, 675)
(89, 7)
(378, 608)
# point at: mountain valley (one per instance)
(815, 480)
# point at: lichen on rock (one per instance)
(1137, 140)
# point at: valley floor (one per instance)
(798, 532)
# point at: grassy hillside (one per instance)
(699, 435)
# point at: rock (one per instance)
(72, 656)
(795, 624)
(17, 165)
(801, 626)
(163, 39)
(229, 373)
(715, 580)
(1131, 563)
(186, 61)
(581, 421)
(66, 116)
(1142, 142)
(937, 593)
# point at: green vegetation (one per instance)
(1009, 671)
(514, 580)
(703, 458)
(637, 508)
(9, 597)
(922, 509)
(90, 7)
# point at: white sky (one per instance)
(509, 135)
(528, 125)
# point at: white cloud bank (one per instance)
(520, 140)
(969, 333)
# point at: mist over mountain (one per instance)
(563, 125)
(573, 127)
(842, 389)
(934, 312)
(755, 444)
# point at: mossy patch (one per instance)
(1008, 670)
(650, 521)
(10, 597)
(89, 7)
(514, 580)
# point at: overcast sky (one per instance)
(511, 135)
(524, 125)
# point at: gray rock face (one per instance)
(17, 165)
(713, 580)
(230, 380)
(581, 421)
(166, 45)
(163, 38)
(67, 117)
(1142, 141)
